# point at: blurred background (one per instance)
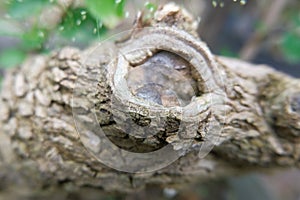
(259, 31)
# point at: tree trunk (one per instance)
(155, 107)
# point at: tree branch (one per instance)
(212, 116)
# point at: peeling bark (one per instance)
(248, 114)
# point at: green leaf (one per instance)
(150, 10)
(225, 51)
(34, 39)
(20, 9)
(11, 58)
(151, 6)
(78, 25)
(291, 46)
(108, 11)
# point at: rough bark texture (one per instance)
(249, 114)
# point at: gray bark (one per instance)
(224, 116)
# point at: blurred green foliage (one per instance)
(290, 44)
(22, 9)
(11, 57)
(82, 24)
(33, 39)
(150, 8)
(109, 11)
(225, 51)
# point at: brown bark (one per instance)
(224, 116)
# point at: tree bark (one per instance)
(212, 116)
